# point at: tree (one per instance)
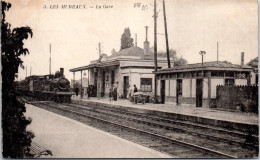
(178, 61)
(16, 140)
(126, 40)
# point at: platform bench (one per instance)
(37, 150)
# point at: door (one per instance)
(103, 83)
(162, 91)
(95, 84)
(126, 86)
(179, 92)
(199, 93)
(112, 78)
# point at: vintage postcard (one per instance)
(129, 79)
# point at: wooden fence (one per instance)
(241, 98)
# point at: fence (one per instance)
(242, 98)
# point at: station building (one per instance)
(128, 67)
(196, 85)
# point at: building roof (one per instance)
(220, 65)
(134, 54)
(97, 65)
(132, 51)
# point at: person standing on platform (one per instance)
(115, 93)
(77, 91)
(135, 88)
(111, 94)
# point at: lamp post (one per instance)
(202, 53)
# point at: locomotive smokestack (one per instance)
(61, 72)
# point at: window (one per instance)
(229, 74)
(146, 84)
(229, 82)
(217, 74)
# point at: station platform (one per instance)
(67, 138)
(237, 120)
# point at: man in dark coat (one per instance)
(135, 88)
(77, 91)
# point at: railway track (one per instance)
(158, 136)
(208, 138)
(234, 137)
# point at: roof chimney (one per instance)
(146, 43)
(242, 58)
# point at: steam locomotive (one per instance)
(47, 87)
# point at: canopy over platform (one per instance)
(96, 65)
(217, 66)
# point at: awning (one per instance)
(96, 65)
(205, 69)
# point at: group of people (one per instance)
(112, 94)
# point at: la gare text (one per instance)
(78, 6)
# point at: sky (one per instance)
(74, 33)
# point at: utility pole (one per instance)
(50, 60)
(166, 36)
(99, 49)
(30, 70)
(26, 71)
(155, 51)
(217, 51)
(202, 53)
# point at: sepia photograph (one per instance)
(167, 79)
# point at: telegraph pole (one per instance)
(50, 60)
(155, 51)
(30, 70)
(26, 71)
(217, 51)
(202, 53)
(99, 49)
(166, 36)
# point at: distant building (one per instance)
(187, 85)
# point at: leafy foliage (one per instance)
(16, 140)
(178, 61)
(126, 40)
